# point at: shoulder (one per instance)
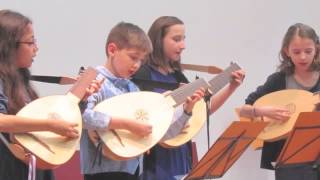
(277, 76)
(274, 82)
(139, 78)
(180, 77)
(144, 72)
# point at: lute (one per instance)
(199, 112)
(150, 107)
(294, 100)
(50, 149)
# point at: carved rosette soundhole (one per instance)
(141, 115)
(291, 108)
(54, 115)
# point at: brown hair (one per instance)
(15, 80)
(157, 32)
(303, 31)
(127, 35)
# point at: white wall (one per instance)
(72, 33)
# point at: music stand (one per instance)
(303, 143)
(226, 150)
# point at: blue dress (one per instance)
(163, 163)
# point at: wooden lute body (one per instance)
(50, 149)
(296, 101)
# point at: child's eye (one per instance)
(134, 58)
(308, 51)
(178, 38)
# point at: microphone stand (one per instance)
(207, 98)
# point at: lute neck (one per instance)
(222, 79)
(78, 90)
(180, 95)
(215, 84)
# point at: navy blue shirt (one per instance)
(163, 163)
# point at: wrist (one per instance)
(187, 109)
(233, 86)
(256, 112)
(189, 113)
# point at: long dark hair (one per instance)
(157, 32)
(303, 31)
(15, 80)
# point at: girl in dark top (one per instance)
(299, 69)
(17, 49)
(167, 35)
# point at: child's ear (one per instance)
(111, 48)
(286, 51)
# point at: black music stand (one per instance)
(226, 150)
(303, 143)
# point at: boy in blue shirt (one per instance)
(126, 47)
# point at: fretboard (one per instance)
(220, 80)
(79, 88)
(180, 95)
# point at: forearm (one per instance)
(247, 111)
(251, 111)
(118, 123)
(220, 98)
(16, 124)
(92, 119)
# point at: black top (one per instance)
(275, 82)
